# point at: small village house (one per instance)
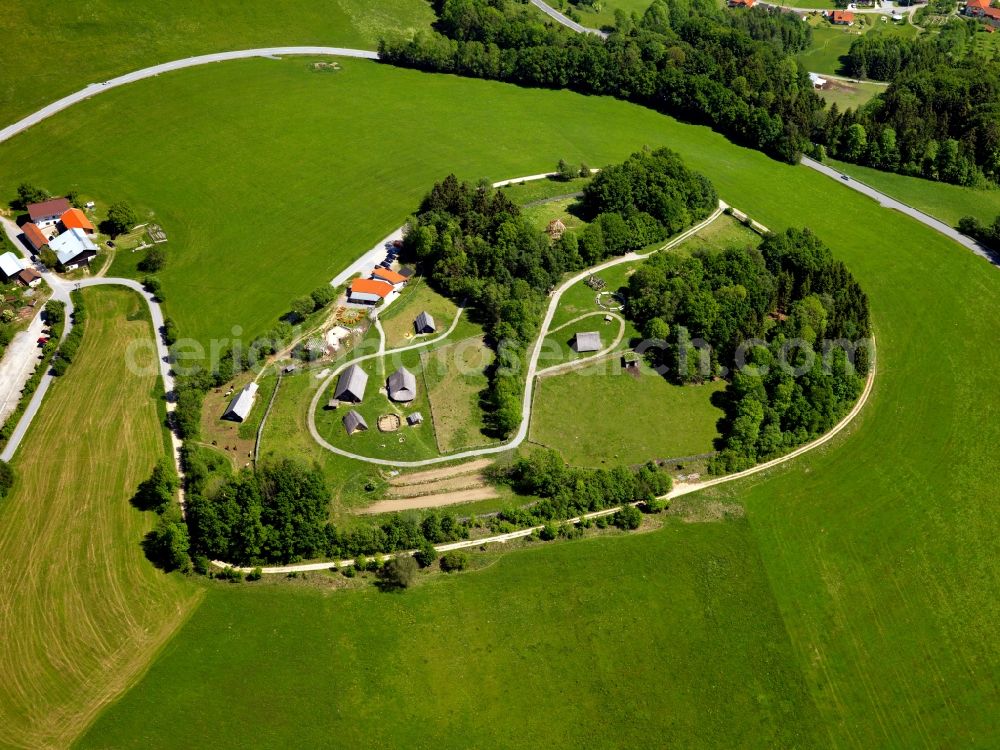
(741, 3)
(842, 18)
(424, 323)
(354, 422)
(351, 385)
(414, 419)
(389, 276)
(35, 237)
(76, 219)
(241, 404)
(402, 385)
(555, 229)
(11, 266)
(73, 249)
(589, 341)
(29, 277)
(368, 291)
(47, 213)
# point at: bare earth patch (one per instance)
(710, 511)
(433, 475)
(432, 501)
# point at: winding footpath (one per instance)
(532, 370)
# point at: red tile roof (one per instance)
(76, 219)
(371, 286)
(35, 236)
(978, 4)
(842, 16)
(742, 3)
(51, 207)
(992, 13)
(389, 275)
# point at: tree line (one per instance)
(471, 242)
(687, 58)
(791, 297)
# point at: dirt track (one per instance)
(423, 477)
(432, 501)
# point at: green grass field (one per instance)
(250, 227)
(543, 647)
(524, 193)
(830, 42)
(599, 415)
(83, 611)
(878, 548)
(90, 43)
(455, 377)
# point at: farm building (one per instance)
(424, 323)
(11, 265)
(402, 385)
(368, 291)
(354, 422)
(47, 213)
(34, 236)
(555, 229)
(29, 277)
(589, 341)
(351, 385)
(76, 219)
(842, 18)
(73, 248)
(741, 3)
(389, 276)
(817, 81)
(415, 419)
(241, 404)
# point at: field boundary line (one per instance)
(263, 420)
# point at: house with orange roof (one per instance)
(368, 291)
(390, 276)
(741, 3)
(842, 18)
(35, 237)
(76, 219)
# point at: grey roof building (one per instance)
(415, 418)
(590, 341)
(424, 323)
(402, 385)
(241, 404)
(351, 384)
(354, 422)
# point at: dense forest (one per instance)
(472, 243)
(792, 298)
(687, 58)
(940, 116)
(987, 234)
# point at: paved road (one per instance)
(566, 21)
(522, 432)
(155, 70)
(887, 201)
(19, 361)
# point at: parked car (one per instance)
(42, 340)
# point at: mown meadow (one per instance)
(877, 552)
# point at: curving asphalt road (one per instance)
(887, 201)
(187, 62)
(566, 21)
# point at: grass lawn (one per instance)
(724, 232)
(83, 611)
(526, 193)
(599, 415)
(939, 199)
(878, 548)
(405, 444)
(830, 42)
(455, 378)
(602, 13)
(849, 95)
(88, 43)
(559, 346)
(526, 651)
(417, 297)
(559, 208)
